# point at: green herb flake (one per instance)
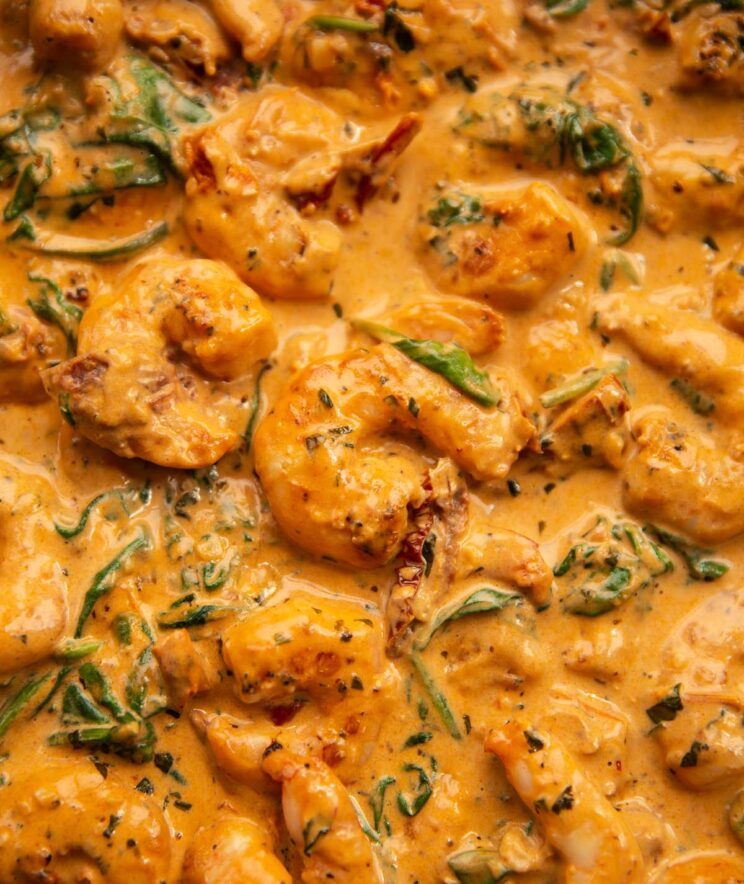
(667, 708)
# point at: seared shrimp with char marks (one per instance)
(576, 818)
(337, 481)
(313, 671)
(259, 178)
(56, 825)
(144, 382)
(322, 821)
(508, 246)
(233, 850)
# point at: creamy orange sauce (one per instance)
(285, 600)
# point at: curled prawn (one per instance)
(509, 245)
(259, 180)
(313, 673)
(55, 825)
(322, 821)
(337, 481)
(33, 614)
(153, 359)
(233, 850)
(576, 818)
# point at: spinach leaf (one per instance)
(101, 250)
(695, 558)
(377, 802)
(13, 706)
(78, 706)
(104, 580)
(99, 686)
(34, 174)
(610, 562)
(438, 699)
(56, 310)
(131, 741)
(448, 360)
(76, 648)
(580, 384)
(424, 791)
(194, 616)
(698, 402)
(482, 601)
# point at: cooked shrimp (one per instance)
(593, 728)
(728, 294)
(179, 28)
(76, 32)
(336, 485)
(185, 668)
(260, 176)
(256, 24)
(26, 346)
(680, 477)
(127, 391)
(684, 344)
(322, 821)
(68, 823)
(449, 34)
(33, 609)
(701, 867)
(233, 850)
(576, 818)
(687, 178)
(314, 672)
(310, 644)
(468, 551)
(702, 652)
(489, 551)
(590, 432)
(507, 245)
(709, 50)
(492, 656)
(702, 744)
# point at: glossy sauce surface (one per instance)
(370, 454)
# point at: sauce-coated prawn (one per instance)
(337, 484)
(145, 382)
